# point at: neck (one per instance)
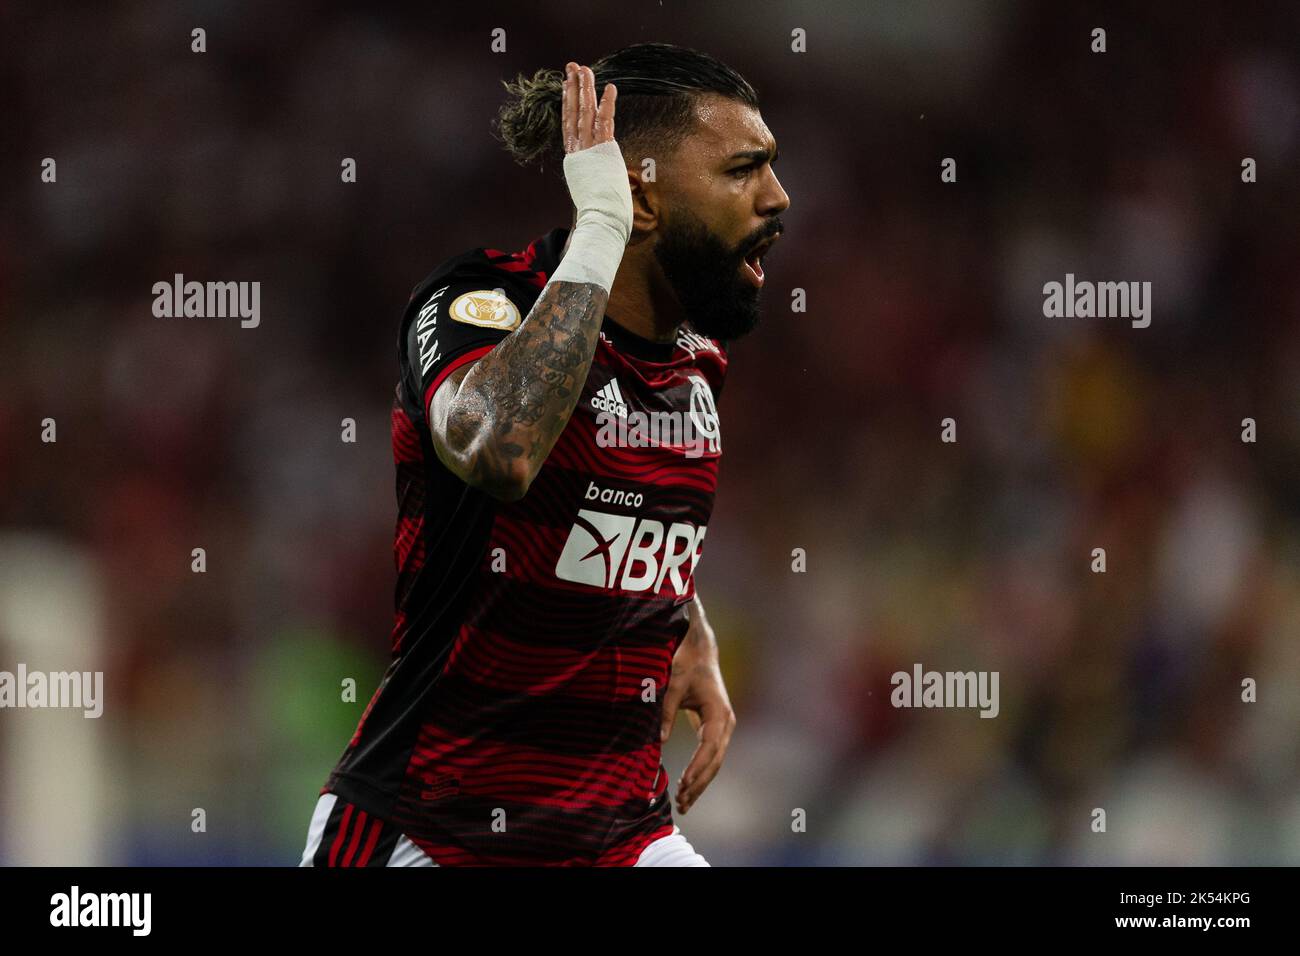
(641, 300)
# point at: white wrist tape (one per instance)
(597, 178)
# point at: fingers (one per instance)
(584, 122)
(586, 106)
(605, 114)
(715, 735)
(569, 111)
(703, 768)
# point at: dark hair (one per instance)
(657, 86)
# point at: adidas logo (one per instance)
(610, 399)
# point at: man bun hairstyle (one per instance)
(657, 87)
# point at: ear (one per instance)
(645, 202)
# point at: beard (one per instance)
(704, 272)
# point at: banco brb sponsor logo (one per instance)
(630, 553)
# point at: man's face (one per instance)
(721, 210)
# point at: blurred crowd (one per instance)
(1120, 691)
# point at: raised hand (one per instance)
(585, 123)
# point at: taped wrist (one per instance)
(597, 179)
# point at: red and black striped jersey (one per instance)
(518, 720)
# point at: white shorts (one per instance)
(363, 841)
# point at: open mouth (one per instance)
(752, 266)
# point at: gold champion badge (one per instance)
(488, 307)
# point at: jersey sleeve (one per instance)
(459, 321)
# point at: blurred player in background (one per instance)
(547, 626)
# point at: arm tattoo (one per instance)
(513, 404)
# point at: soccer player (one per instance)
(547, 626)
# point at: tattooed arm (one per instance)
(495, 421)
(495, 424)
